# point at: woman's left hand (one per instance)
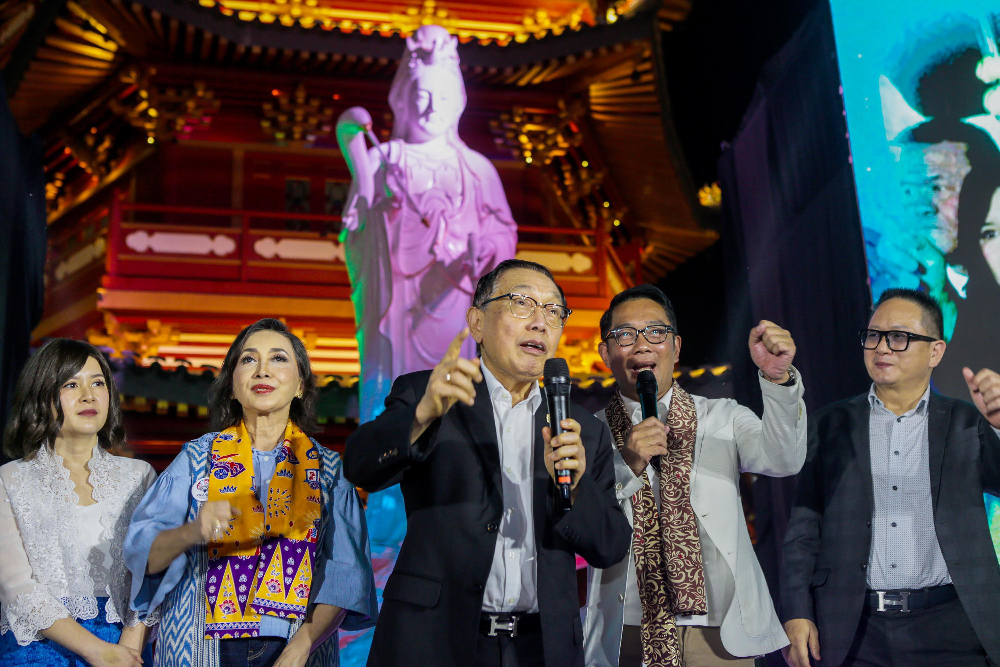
(294, 655)
(134, 637)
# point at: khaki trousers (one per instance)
(700, 647)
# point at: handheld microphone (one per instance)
(645, 386)
(557, 386)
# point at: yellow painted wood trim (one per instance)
(61, 318)
(225, 304)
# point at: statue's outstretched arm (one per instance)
(352, 126)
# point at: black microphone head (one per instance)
(645, 382)
(555, 368)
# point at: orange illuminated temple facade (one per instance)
(194, 183)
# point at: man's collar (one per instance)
(498, 392)
(874, 400)
(631, 406)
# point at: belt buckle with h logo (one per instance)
(507, 625)
(903, 602)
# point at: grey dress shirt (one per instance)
(905, 553)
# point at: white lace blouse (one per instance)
(57, 558)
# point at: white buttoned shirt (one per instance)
(719, 583)
(512, 584)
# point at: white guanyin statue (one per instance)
(425, 217)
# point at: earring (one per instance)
(299, 395)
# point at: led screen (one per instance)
(921, 85)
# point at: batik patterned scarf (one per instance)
(263, 564)
(665, 543)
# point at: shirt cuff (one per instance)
(149, 590)
(627, 483)
(347, 588)
(789, 394)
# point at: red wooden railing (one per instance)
(244, 234)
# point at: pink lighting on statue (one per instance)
(426, 217)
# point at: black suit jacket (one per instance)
(451, 484)
(828, 541)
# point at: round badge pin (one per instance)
(200, 490)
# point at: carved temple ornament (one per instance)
(180, 243)
(302, 250)
(171, 346)
(98, 154)
(83, 257)
(125, 342)
(559, 262)
(463, 19)
(296, 118)
(164, 112)
(556, 144)
(710, 195)
(582, 356)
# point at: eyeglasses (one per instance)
(654, 334)
(523, 306)
(897, 341)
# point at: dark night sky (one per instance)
(713, 59)
(712, 62)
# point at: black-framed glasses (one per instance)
(523, 306)
(897, 341)
(654, 334)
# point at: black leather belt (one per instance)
(905, 600)
(511, 624)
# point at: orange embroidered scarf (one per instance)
(263, 563)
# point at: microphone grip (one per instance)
(647, 401)
(558, 411)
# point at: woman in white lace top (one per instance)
(65, 505)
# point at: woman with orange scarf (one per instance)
(252, 543)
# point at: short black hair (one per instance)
(36, 416)
(645, 291)
(226, 411)
(488, 283)
(933, 317)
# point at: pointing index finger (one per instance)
(456, 345)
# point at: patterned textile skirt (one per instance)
(47, 653)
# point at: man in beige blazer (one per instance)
(691, 593)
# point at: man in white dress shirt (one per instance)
(691, 592)
(486, 576)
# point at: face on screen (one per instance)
(989, 236)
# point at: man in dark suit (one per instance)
(486, 575)
(888, 559)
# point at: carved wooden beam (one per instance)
(33, 38)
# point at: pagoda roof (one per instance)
(73, 64)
